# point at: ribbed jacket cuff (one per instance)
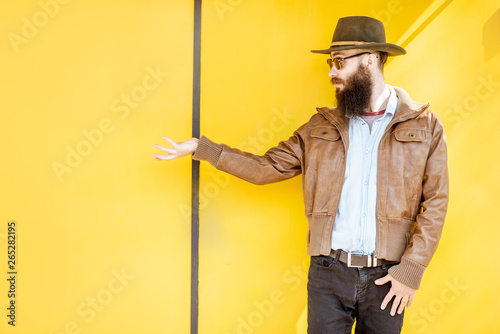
(208, 150)
(408, 272)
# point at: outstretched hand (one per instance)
(177, 150)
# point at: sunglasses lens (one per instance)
(337, 63)
(333, 62)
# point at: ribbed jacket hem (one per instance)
(208, 150)
(408, 272)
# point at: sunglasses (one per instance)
(338, 61)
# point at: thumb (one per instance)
(383, 280)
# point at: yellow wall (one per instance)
(104, 230)
(115, 213)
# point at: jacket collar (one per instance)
(407, 109)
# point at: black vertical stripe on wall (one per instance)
(195, 172)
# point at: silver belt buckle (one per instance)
(349, 259)
(368, 264)
(370, 257)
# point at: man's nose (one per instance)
(333, 72)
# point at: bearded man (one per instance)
(375, 183)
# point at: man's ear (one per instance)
(371, 60)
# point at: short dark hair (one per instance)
(383, 58)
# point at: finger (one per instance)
(383, 280)
(386, 300)
(166, 149)
(402, 305)
(173, 143)
(410, 300)
(164, 157)
(395, 305)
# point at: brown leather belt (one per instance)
(359, 261)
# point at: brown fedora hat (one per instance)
(361, 32)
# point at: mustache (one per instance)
(334, 81)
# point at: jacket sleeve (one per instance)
(430, 219)
(277, 164)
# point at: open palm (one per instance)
(177, 150)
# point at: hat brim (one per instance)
(391, 49)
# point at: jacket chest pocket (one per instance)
(325, 132)
(412, 135)
(326, 150)
(412, 144)
(409, 154)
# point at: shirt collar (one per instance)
(393, 102)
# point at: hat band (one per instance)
(350, 43)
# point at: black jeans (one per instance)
(338, 294)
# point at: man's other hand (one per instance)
(177, 150)
(402, 294)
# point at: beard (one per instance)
(354, 97)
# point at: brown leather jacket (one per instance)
(412, 180)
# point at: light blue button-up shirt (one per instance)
(355, 222)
